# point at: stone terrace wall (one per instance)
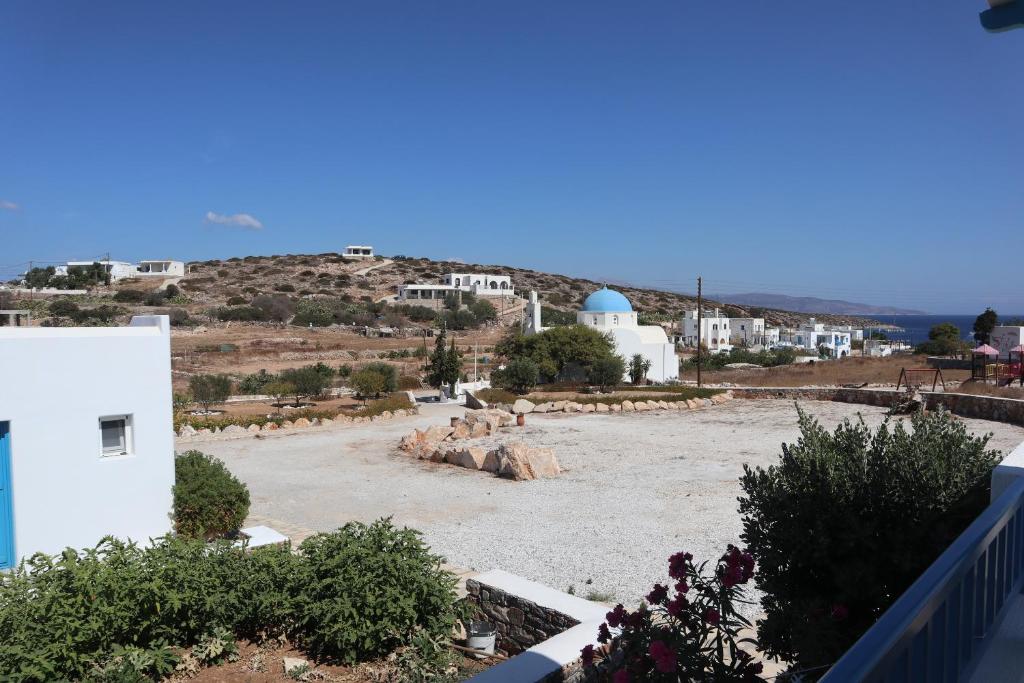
(521, 624)
(998, 409)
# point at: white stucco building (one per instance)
(610, 312)
(715, 331)
(531, 317)
(99, 460)
(1006, 337)
(119, 270)
(747, 332)
(358, 251)
(817, 337)
(161, 269)
(480, 284)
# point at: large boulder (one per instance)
(492, 462)
(461, 430)
(641, 406)
(543, 407)
(628, 406)
(302, 422)
(253, 428)
(601, 408)
(588, 408)
(718, 399)
(615, 408)
(234, 430)
(692, 404)
(471, 458)
(520, 462)
(523, 406)
(478, 430)
(558, 406)
(187, 430)
(663, 405)
(474, 402)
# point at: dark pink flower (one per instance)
(587, 653)
(677, 565)
(712, 616)
(603, 634)
(637, 618)
(664, 657)
(682, 586)
(657, 594)
(677, 605)
(621, 676)
(616, 617)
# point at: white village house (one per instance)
(161, 269)
(86, 445)
(816, 337)
(715, 331)
(358, 251)
(122, 270)
(480, 284)
(1007, 337)
(610, 312)
(747, 332)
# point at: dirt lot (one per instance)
(846, 371)
(636, 487)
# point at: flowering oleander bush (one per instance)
(686, 631)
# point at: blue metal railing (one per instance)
(938, 629)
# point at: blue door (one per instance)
(6, 513)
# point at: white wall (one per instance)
(57, 383)
(664, 361)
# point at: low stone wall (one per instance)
(520, 623)
(1009, 410)
(995, 408)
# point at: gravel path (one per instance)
(636, 488)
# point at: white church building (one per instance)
(610, 312)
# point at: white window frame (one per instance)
(129, 436)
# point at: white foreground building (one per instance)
(86, 440)
(715, 331)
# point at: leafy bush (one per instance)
(375, 379)
(104, 313)
(240, 314)
(237, 301)
(306, 381)
(284, 287)
(366, 590)
(606, 372)
(493, 395)
(557, 349)
(520, 375)
(278, 308)
(846, 521)
(483, 311)
(208, 500)
(254, 383)
(208, 390)
(392, 403)
(313, 312)
(690, 632)
(63, 308)
(409, 382)
(130, 296)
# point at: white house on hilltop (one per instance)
(358, 251)
(747, 332)
(480, 284)
(161, 269)
(119, 270)
(99, 464)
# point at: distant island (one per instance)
(811, 304)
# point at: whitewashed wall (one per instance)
(56, 384)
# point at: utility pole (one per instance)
(700, 317)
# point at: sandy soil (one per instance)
(636, 488)
(845, 371)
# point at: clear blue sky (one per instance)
(862, 150)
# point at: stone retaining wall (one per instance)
(998, 409)
(520, 623)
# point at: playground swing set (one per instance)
(986, 367)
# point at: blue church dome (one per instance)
(607, 301)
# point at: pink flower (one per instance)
(677, 605)
(617, 616)
(657, 594)
(603, 634)
(663, 656)
(677, 565)
(588, 655)
(712, 616)
(682, 586)
(621, 676)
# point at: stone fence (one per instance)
(998, 409)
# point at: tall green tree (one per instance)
(983, 326)
(438, 360)
(452, 365)
(554, 349)
(606, 372)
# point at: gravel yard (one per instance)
(636, 487)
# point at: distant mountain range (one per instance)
(810, 304)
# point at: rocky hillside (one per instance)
(216, 282)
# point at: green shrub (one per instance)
(254, 383)
(313, 312)
(208, 390)
(240, 314)
(495, 396)
(846, 521)
(63, 308)
(406, 382)
(520, 375)
(208, 500)
(237, 301)
(306, 381)
(606, 372)
(130, 296)
(366, 590)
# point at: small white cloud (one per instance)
(10, 206)
(238, 220)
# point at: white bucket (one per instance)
(480, 636)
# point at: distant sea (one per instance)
(915, 327)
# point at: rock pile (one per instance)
(513, 460)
